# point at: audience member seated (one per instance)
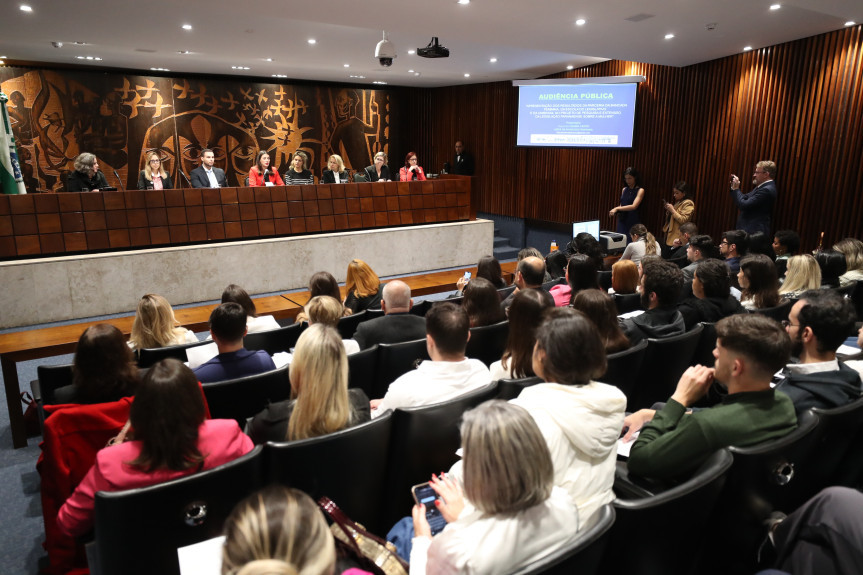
(734, 245)
(580, 275)
(278, 531)
(761, 243)
(262, 174)
(335, 172)
(397, 325)
(700, 248)
(170, 439)
(510, 514)
(803, 274)
(833, 266)
(529, 274)
(254, 322)
(624, 277)
(488, 268)
(643, 244)
(579, 417)
(379, 171)
(585, 243)
(599, 308)
(852, 249)
(555, 264)
(228, 327)
(818, 324)
(786, 243)
(363, 287)
(750, 348)
(323, 283)
(156, 326)
(321, 402)
(661, 283)
(103, 369)
(525, 315)
(677, 252)
(758, 282)
(711, 298)
(482, 303)
(533, 252)
(856, 362)
(328, 311)
(448, 375)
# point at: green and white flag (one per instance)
(11, 181)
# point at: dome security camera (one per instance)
(385, 51)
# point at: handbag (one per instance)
(31, 415)
(370, 551)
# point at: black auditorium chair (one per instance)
(665, 360)
(348, 466)
(604, 278)
(360, 177)
(424, 441)
(857, 298)
(362, 367)
(704, 351)
(551, 283)
(347, 325)
(138, 531)
(245, 397)
(374, 313)
(651, 515)
(779, 313)
(511, 388)
(395, 359)
(504, 292)
(846, 291)
(624, 368)
(628, 302)
(421, 307)
(487, 343)
(839, 458)
(583, 555)
(50, 378)
(149, 356)
(275, 340)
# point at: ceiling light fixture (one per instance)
(25, 8)
(410, 71)
(492, 60)
(312, 41)
(850, 23)
(412, 51)
(280, 75)
(240, 68)
(187, 26)
(416, 73)
(467, 75)
(775, 6)
(346, 65)
(97, 58)
(570, 67)
(669, 36)
(747, 48)
(160, 69)
(379, 82)
(580, 22)
(183, 52)
(464, 2)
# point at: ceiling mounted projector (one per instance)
(433, 50)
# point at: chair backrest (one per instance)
(857, 298)
(645, 522)
(664, 362)
(704, 351)
(139, 530)
(504, 292)
(779, 313)
(374, 313)
(604, 278)
(348, 466)
(275, 340)
(626, 303)
(487, 343)
(584, 554)
(348, 324)
(555, 282)
(51, 378)
(839, 460)
(511, 388)
(244, 397)
(424, 441)
(421, 307)
(624, 368)
(150, 356)
(359, 177)
(395, 359)
(362, 369)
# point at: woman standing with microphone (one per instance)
(411, 170)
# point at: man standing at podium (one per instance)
(463, 163)
(205, 175)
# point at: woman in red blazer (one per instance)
(411, 170)
(262, 165)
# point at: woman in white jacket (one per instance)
(580, 418)
(512, 514)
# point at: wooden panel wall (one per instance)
(799, 104)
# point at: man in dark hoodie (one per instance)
(661, 283)
(712, 299)
(818, 324)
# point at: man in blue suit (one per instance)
(756, 207)
(205, 175)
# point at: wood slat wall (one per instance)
(799, 104)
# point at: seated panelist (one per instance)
(86, 177)
(411, 170)
(379, 171)
(298, 173)
(154, 176)
(335, 174)
(262, 174)
(207, 176)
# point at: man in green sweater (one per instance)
(750, 348)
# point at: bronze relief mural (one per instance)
(56, 115)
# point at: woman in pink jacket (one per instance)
(411, 170)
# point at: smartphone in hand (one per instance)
(425, 495)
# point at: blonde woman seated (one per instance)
(321, 402)
(278, 530)
(156, 326)
(643, 244)
(510, 514)
(328, 311)
(363, 286)
(335, 172)
(852, 249)
(802, 273)
(154, 176)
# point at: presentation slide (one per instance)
(582, 115)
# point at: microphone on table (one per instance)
(266, 173)
(119, 180)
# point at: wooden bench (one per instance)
(50, 341)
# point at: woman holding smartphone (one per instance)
(677, 214)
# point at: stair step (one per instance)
(501, 242)
(505, 253)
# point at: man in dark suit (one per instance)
(756, 207)
(397, 324)
(205, 175)
(463, 162)
(677, 253)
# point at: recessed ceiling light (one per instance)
(580, 22)
(187, 26)
(775, 6)
(464, 2)
(240, 68)
(160, 69)
(183, 52)
(410, 71)
(356, 76)
(346, 65)
(280, 75)
(268, 59)
(467, 75)
(412, 51)
(416, 73)
(850, 23)
(570, 67)
(669, 36)
(25, 8)
(312, 41)
(96, 58)
(747, 48)
(492, 60)
(379, 82)
(80, 43)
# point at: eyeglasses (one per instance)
(723, 243)
(413, 159)
(787, 323)
(157, 160)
